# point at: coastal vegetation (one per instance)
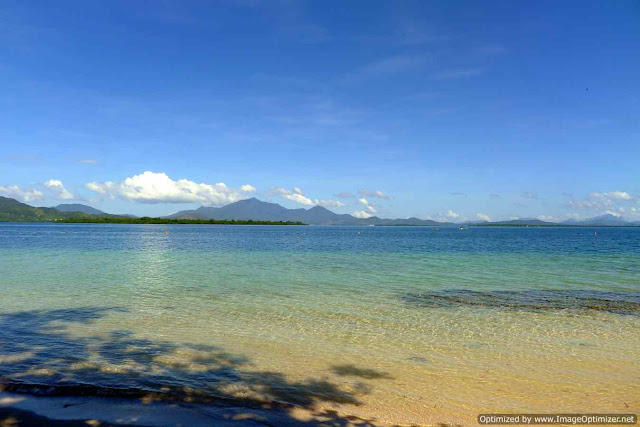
(150, 220)
(13, 211)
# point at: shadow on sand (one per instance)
(40, 355)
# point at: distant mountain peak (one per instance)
(78, 207)
(258, 210)
(605, 220)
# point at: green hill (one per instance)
(13, 210)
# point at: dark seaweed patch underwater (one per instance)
(625, 303)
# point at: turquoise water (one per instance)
(401, 324)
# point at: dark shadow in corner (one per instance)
(41, 356)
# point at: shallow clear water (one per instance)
(404, 324)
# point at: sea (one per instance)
(397, 325)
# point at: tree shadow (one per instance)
(351, 370)
(40, 354)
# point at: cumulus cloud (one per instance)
(361, 214)
(613, 195)
(449, 216)
(483, 217)
(297, 195)
(153, 187)
(248, 188)
(376, 193)
(106, 188)
(452, 215)
(23, 194)
(88, 161)
(58, 189)
(299, 198)
(494, 196)
(585, 204)
(329, 203)
(368, 206)
(602, 201)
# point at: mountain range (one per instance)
(257, 210)
(13, 210)
(77, 207)
(608, 220)
(264, 211)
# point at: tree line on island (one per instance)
(151, 220)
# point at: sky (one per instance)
(449, 110)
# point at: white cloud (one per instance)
(614, 213)
(23, 194)
(299, 198)
(248, 188)
(361, 214)
(281, 191)
(328, 203)
(452, 215)
(368, 206)
(613, 195)
(585, 204)
(106, 188)
(483, 217)
(152, 187)
(58, 189)
(601, 201)
(88, 161)
(297, 195)
(376, 193)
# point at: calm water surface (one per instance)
(401, 324)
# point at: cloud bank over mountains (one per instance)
(23, 194)
(159, 188)
(152, 187)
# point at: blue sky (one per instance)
(446, 110)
